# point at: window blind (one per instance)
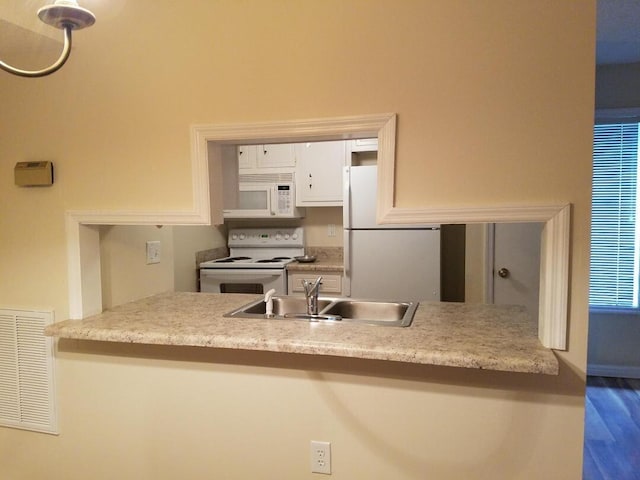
(614, 233)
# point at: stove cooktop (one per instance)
(260, 248)
(247, 262)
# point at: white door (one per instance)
(516, 265)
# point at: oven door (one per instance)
(243, 281)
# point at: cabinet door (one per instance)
(319, 173)
(276, 155)
(247, 156)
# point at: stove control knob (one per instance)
(286, 236)
(278, 236)
(242, 236)
(234, 236)
(294, 236)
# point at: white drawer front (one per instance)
(330, 283)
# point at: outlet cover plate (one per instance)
(320, 457)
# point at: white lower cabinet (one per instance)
(331, 282)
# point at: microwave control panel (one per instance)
(284, 195)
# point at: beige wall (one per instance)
(125, 274)
(316, 227)
(187, 240)
(495, 103)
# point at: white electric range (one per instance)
(256, 263)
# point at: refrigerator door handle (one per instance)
(346, 197)
(346, 284)
(346, 219)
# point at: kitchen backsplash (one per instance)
(325, 254)
(211, 254)
(323, 227)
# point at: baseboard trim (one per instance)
(619, 371)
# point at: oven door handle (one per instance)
(240, 273)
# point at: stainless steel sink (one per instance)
(392, 313)
(285, 305)
(372, 312)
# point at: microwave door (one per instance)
(253, 201)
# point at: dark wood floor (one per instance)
(612, 429)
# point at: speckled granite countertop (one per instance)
(450, 334)
(329, 259)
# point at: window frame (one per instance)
(617, 116)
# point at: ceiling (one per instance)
(618, 32)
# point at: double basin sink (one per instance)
(372, 312)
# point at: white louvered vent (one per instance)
(27, 393)
(266, 177)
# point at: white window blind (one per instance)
(614, 230)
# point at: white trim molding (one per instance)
(83, 240)
(555, 247)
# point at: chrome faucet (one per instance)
(311, 290)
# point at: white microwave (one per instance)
(265, 200)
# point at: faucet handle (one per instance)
(311, 287)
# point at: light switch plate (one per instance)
(153, 251)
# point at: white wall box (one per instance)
(33, 174)
(319, 173)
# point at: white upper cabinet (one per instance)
(319, 173)
(262, 158)
(247, 156)
(276, 155)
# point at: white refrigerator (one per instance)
(386, 262)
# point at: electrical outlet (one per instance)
(320, 457)
(153, 251)
(331, 230)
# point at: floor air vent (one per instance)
(26, 371)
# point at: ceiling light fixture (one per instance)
(65, 15)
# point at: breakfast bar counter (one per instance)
(492, 337)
